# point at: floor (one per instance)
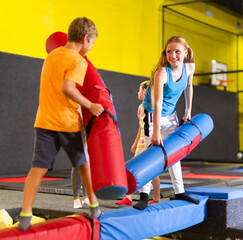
(55, 197)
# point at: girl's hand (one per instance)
(186, 117)
(156, 139)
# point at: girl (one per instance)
(172, 75)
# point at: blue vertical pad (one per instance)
(157, 219)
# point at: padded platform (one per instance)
(224, 218)
(224, 222)
(216, 192)
(157, 219)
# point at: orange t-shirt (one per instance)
(56, 111)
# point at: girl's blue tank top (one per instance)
(172, 92)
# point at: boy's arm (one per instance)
(70, 90)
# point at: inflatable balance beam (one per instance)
(155, 220)
(155, 160)
(126, 223)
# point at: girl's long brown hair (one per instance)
(163, 60)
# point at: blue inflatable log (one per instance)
(156, 159)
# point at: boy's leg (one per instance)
(30, 190)
(73, 145)
(86, 179)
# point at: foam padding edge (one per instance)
(216, 192)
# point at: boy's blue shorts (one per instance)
(48, 143)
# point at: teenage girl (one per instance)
(172, 75)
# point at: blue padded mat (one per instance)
(216, 192)
(238, 170)
(157, 219)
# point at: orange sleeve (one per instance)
(77, 72)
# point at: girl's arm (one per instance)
(189, 93)
(134, 146)
(160, 79)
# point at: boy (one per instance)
(57, 121)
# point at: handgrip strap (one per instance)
(90, 123)
(165, 155)
(182, 121)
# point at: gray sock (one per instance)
(76, 181)
(94, 212)
(24, 223)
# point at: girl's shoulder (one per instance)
(162, 70)
(190, 68)
(161, 74)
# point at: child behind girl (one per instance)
(138, 145)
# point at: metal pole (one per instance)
(237, 92)
(213, 73)
(163, 27)
(196, 20)
(183, 3)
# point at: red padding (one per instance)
(22, 179)
(173, 158)
(208, 176)
(56, 40)
(132, 182)
(186, 167)
(72, 227)
(106, 154)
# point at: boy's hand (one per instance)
(96, 109)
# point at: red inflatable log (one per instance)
(104, 141)
(71, 227)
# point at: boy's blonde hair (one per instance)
(163, 60)
(79, 27)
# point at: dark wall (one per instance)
(19, 79)
(222, 144)
(19, 94)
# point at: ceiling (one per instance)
(234, 6)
